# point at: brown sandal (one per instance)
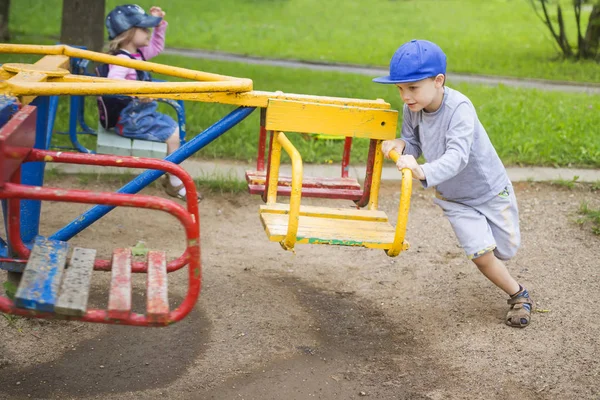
(173, 191)
(519, 315)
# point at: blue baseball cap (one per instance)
(128, 16)
(413, 61)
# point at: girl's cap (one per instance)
(126, 17)
(413, 61)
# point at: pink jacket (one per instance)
(154, 48)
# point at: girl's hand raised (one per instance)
(157, 12)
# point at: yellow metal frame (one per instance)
(48, 78)
(405, 193)
(280, 141)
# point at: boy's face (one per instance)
(423, 95)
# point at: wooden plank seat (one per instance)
(321, 225)
(323, 187)
(41, 289)
(109, 142)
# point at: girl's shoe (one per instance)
(173, 191)
(521, 306)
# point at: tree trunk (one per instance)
(83, 23)
(4, 9)
(592, 34)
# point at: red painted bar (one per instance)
(17, 137)
(368, 175)
(262, 139)
(346, 157)
(323, 193)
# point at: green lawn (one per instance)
(528, 127)
(495, 37)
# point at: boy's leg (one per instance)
(473, 230)
(496, 272)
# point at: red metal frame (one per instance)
(14, 191)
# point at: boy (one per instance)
(472, 186)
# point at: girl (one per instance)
(129, 30)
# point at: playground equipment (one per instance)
(21, 187)
(40, 292)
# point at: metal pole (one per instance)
(147, 177)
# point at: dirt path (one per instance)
(329, 322)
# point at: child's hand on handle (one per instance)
(388, 145)
(157, 12)
(408, 162)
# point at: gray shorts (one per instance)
(491, 226)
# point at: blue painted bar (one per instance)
(52, 109)
(33, 174)
(147, 177)
(76, 106)
(40, 282)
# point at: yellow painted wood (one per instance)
(314, 230)
(326, 212)
(305, 117)
(47, 70)
(53, 61)
(24, 77)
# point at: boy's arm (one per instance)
(408, 143)
(157, 41)
(459, 139)
(412, 142)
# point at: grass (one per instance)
(566, 183)
(527, 127)
(589, 216)
(495, 37)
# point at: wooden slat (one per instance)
(312, 230)
(75, 288)
(259, 178)
(327, 213)
(305, 117)
(119, 299)
(39, 285)
(157, 306)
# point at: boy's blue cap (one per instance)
(413, 61)
(128, 16)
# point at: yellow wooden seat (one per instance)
(292, 223)
(318, 225)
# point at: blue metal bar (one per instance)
(33, 173)
(149, 176)
(75, 104)
(53, 107)
(81, 119)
